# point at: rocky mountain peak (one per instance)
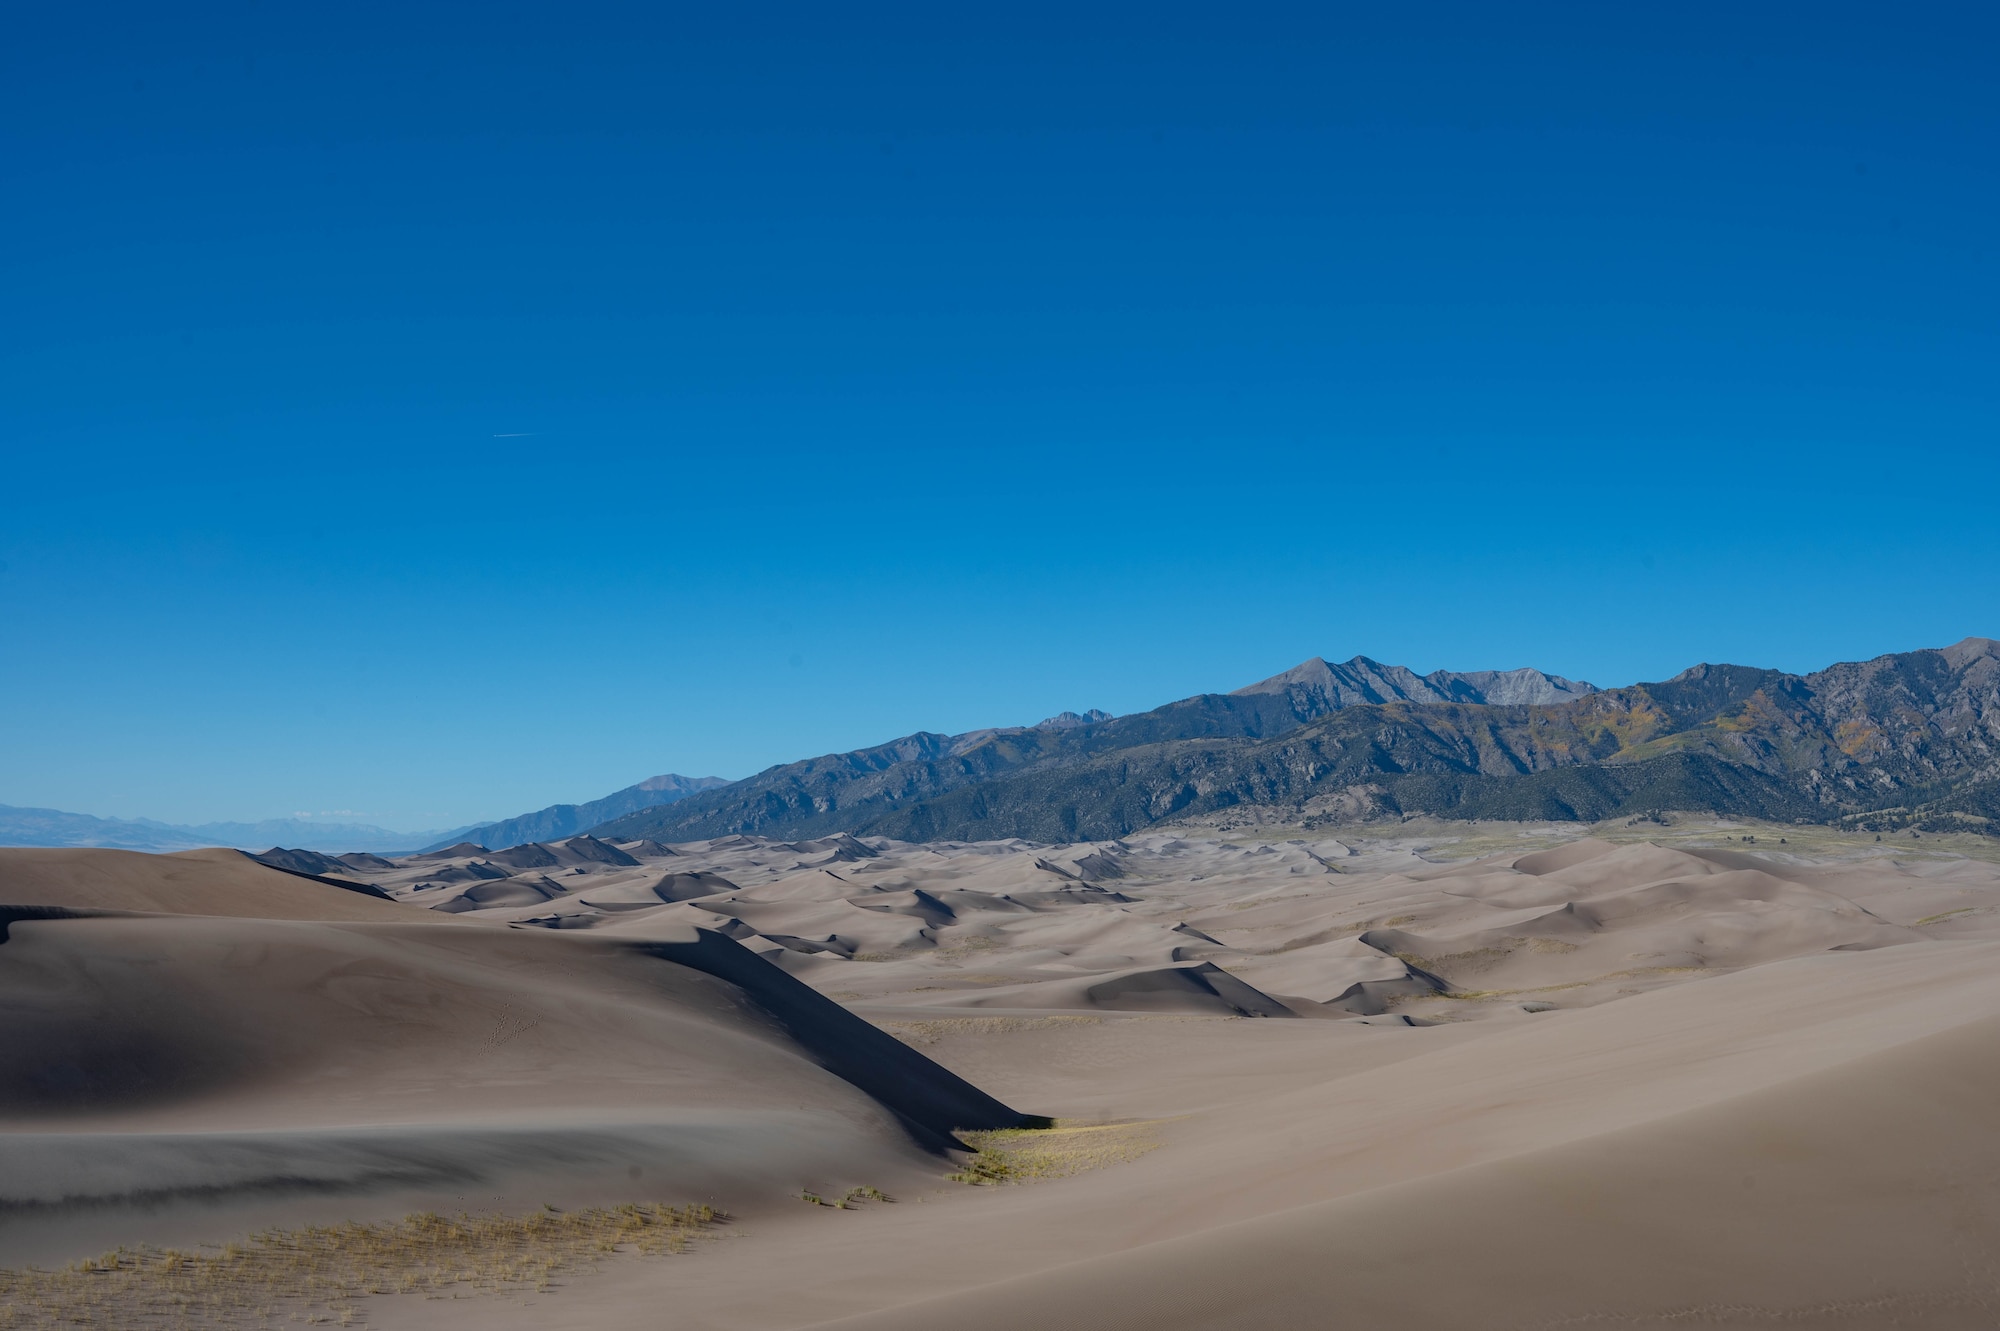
(1318, 687)
(1071, 720)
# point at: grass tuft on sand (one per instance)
(921, 1033)
(1024, 1155)
(853, 1199)
(315, 1275)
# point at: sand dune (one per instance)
(277, 1046)
(1851, 1184)
(1200, 987)
(1315, 928)
(190, 882)
(1713, 1153)
(1752, 1213)
(1602, 1082)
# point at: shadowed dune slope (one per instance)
(340, 1046)
(329, 1022)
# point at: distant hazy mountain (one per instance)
(1906, 740)
(566, 820)
(53, 827)
(1320, 688)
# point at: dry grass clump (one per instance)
(315, 1275)
(962, 946)
(1489, 995)
(1255, 902)
(962, 979)
(1022, 1155)
(1478, 959)
(930, 1032)
(1555, 946)
(852, 1201)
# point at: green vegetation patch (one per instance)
(317, 1274)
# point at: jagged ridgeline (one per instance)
(1908, 740)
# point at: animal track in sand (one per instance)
(512, 1023)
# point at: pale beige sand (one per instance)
(1319, 928)
(1730, 1153)
(172, 1075)
(1859, 1196)
(189, 882)
(1649, 1085)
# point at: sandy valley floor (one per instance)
(1654, 1076)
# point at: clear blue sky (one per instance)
(435, 412)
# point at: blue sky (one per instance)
(433, 412)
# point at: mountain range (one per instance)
(1905, 740)
(1319, 687)
(559, 821)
